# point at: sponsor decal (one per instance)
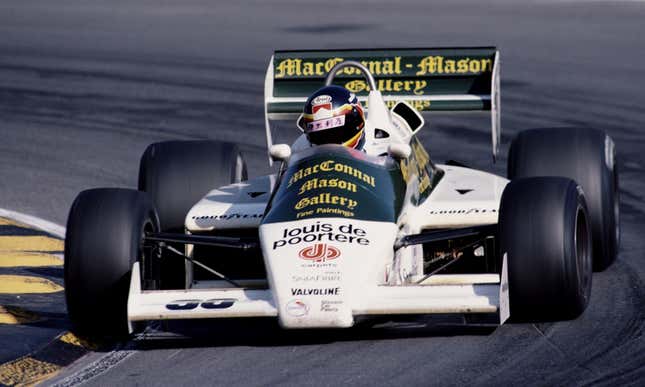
(216, 303)
(228, 216)
(320, 252)
(416, 86)
(321, 108)
(325, 211)
(462, 211)
(330, 306)
(398, 75)
(328, 276)
(420, 161)
(416, 165)
(328, 123)
(322, 188)
(296, 67)
(325, 198)
(440, 65)
(329, 166)
(334, 211)
(321, 100)
(316, 183)
(315, 292)
(322, 232)
(321, 112)
(297, 308)
(428, 65)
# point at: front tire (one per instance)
(544, 230)
(105, 230)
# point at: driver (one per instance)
(333, 115)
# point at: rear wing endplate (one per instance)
(430, 79)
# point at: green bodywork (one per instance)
(335, 181)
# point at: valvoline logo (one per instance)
(320, 252)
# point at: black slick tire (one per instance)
(105, 230)
(586, 156)
(545, 233)
(176, 175)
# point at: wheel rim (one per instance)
(145, 253)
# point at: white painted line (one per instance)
(36, 222)
(105, 362)
(98, 367)
(41, 224)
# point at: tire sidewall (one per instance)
(537, 229)
(586, 156)
(104, 238)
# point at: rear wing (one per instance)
(430, 79)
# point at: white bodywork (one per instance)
(324, 272)
(364, 280)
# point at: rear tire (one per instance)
(105, 230)
(176, 175)
(544, 230)
(586, 156)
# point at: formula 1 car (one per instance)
(337, 234)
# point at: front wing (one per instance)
(474, 293)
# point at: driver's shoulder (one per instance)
(300, 144)
(372, 149)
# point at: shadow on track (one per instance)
(267, 333)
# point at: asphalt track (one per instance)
(86, 86)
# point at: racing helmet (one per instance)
(333, 115)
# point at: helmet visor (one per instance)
(336, 135)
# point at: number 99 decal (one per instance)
(216, 303)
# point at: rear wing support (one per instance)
(429, 79)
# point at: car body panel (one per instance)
(329, 249)
(239, 205)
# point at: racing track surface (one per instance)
(86, 86)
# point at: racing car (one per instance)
(336, 234)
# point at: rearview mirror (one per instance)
(408, 115)
(280, 152)
(300, 122)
